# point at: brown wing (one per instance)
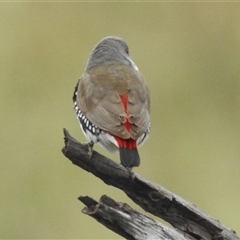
(99, 92)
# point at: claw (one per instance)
(132, 174)
(89, 145)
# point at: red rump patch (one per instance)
(124, 99)
(126, 143)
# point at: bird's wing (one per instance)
(115, 100)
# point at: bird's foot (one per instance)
(132, 174)
(89, 145)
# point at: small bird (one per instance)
(112, 101)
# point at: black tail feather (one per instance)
(129, 157)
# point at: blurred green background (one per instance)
(190, 56)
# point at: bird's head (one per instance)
(110, 49)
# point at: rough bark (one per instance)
(186, 218)
(128, 223)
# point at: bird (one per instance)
(112, 101)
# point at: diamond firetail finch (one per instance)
(112, 101)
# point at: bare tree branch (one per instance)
(125, 221)
(182, 215)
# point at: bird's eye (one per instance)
(127, 51)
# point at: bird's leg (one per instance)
(89, 145)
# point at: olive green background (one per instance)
(190, 56)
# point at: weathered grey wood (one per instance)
(130, 224)
(182, 215)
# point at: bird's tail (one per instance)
(128, 152)
(129, 157)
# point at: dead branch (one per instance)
(125, 221)
(182, 215)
